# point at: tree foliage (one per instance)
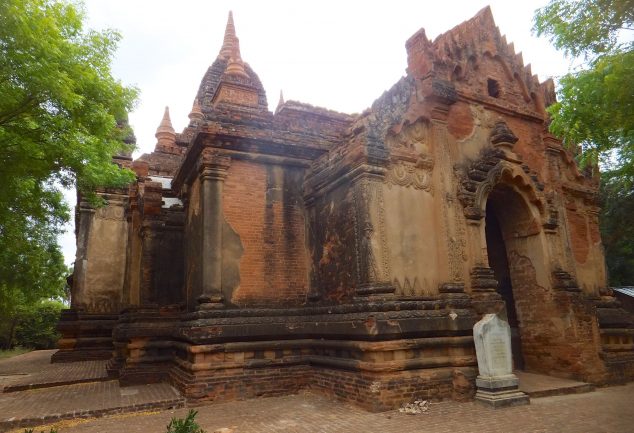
(585, 27)
(617, 200)
(58, 128)
(32, 325)
(37, 327)
(27, 319)
(595, 108)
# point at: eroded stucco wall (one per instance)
(413, 237)
(193, 245)
(332, 243)
(100, 272)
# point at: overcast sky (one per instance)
(339, 55)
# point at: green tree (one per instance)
(30, 324)
(595, 108)
(617, 200)
(58, 128)
(37, 325)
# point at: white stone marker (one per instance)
(496, 383)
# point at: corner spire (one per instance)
(166, 124)
(281, 101)
(165, 133)
(196, 113)
(229, 40)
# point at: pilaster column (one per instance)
(212, 173)
(84, 217)
(441, 96)
(373, 258)
(152, 198)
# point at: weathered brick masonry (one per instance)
(259, 253)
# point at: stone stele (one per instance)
(497, 386)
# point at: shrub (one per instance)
(36, 326)
(186, 425)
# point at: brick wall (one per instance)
(263, 205)
(559, 331)
(578, 231)
(240, 384)
(384, 391)
(373, 391)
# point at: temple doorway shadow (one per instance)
(497, 208)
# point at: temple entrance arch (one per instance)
(513, 246)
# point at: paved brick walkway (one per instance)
(27, 408)
(34, 391)
(34, 370)
(606, 410)
(539, 385)
(27, 362)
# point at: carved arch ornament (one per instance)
(510, 174)
(495, 166)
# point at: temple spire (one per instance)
(165, 133)
(229, 40)
(237, 85)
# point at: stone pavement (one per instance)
(607, 410)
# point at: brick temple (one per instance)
(259, 252)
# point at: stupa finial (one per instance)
(229, 40)
(236, 65)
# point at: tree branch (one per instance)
(21, 108)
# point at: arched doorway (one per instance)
(508, 221)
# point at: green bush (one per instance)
(186, 425)
(36, 327)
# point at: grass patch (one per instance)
(5, 354)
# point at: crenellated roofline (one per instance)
(455, 57)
